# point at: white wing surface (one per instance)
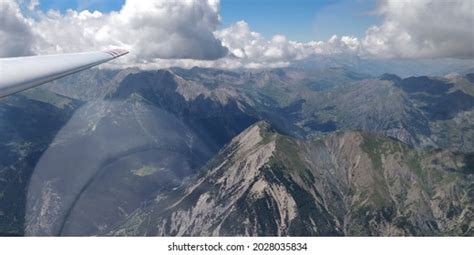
(18, 74)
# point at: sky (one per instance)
(301, 20)
(92, 5)
(238, 33)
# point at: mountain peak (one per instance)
(390, 77)
(251, 138)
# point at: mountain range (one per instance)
(324, 151)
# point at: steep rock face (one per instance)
(204, 207)
(393, 189)
(351, 183)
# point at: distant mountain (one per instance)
(402, 67)
(305, 103)
(351, 183)
(421, 111)
(216, 114)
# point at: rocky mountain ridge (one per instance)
(349, 183)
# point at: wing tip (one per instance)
(115, 53)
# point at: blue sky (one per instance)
(100, 5)
(300, 20)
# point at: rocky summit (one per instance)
(349, 183)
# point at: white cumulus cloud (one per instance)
(254, 51)
(422, 29)
(16, 38)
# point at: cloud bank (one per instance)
(252, 50)
(163, 33)
(423, 29)
(16, 37)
